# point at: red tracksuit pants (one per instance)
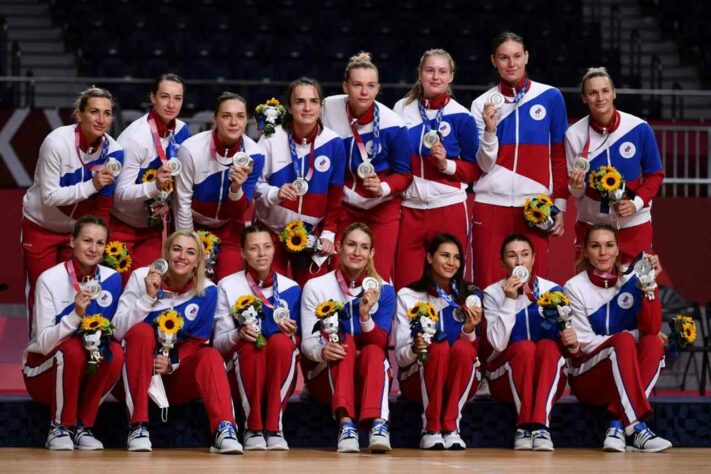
(532, 376)
(619, 374)
(59, 380)
(362, 378)
(443, 384)
(229, 259)
(263, 380)
(201, 374)
(417, 228)
(144, 244)
(492, 224)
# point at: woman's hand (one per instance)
(570, 339)
(247, 333)
(287, 326)
(577, 179)
(489, 116)
(419, 344)
(511, 286)
(625, 208)
(164, 180)
(367, 301)
(439, 154)
(326, 246)
(473, 318)
(654, 261)
(103, 177)
(162, 365)
(371, 183)
(333, 351)
(238, 175)
(81, 301)
(287, 192)
(559, 224)
(153, 281)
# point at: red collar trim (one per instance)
(603, 280)
(610, 127)
(353, 283)
(365, 118)
(309, 138)
(220, 148)
(508, 91)
(163, 129)
(85, 146)
(188, 286)
(435, 103)
(81, 275)
(269, 281)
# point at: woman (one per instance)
(55, 362)
(525, 362)
(190, 369)
(141, 208)
(212, 192)
(378, 157)
(71, 180)
(521, 155)
(608, 137)
(621, 352)
(450, 375)
(264, 377)
(435, 201)
(302, 180)
(354, 370)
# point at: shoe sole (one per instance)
(87, 448)
(255, 448)
(60, 449)
(523, 448)
(140, 450)
(348, 450)
(546, 449)
(637, 450)
(455, 447)
(434, 447)
(379, 448)
(277, 448)
(613, 449)
(226, 451)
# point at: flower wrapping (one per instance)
(96, 331)
(683, 334)
(298, 237)
(247, 310)
(168, 324)
(423, 317)
(555, 309)
(608, 181)
(328, 313)
(540, 212)
(211, 246)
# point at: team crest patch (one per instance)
(444, 128)
(625, 300)
(191, 311)
(323, 163)
(105, 299)
(537, 112)
(627, 150)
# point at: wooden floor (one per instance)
(407, 461)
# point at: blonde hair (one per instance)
(362, 60)
(370, 266)
(83, 99)
(199, 270)
(595, 72)
(416, 92)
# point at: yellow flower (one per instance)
(273, 102)
(293, 226)
(93, 323)
(543, 199)
(534, 215)
(559, 298)
(149, 176)
(544, 299)
(415, 310)
(325, 309)
(432, 312)
(244, 302)
(688, 330)
(296, 241)
(124, 264)
(170, 322)
(206, 243)
(114, 248)
(610, 181)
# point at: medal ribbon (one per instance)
(102, 156)
(69, 265)
(258, 291)
(447, 298)
(359, 140)
(170, 151)
(298, 164)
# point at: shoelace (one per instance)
(523, 434)
(81, 432)
(226, 430)
(255, 434)
(275, 434)
(613, 432)
(140, 432)
(541, 434)
(348, 431)
(380, 429)
(643, 436)
(59, 431)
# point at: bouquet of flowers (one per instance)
(168, 323)
(96, 332)
(159, 206)
(116, 256)
(211, 245)
(423, 320)
(607, 180)
(247, 311)
(269, 115)
(328, 314)
(555, 309)
(297, 237)
(540, 211)
(683, 333)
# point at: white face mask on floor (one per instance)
(156, 391)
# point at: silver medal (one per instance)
(280, 314)
(430, 139)
(242, 159)
(301, 185)
(458, 315)
(497, 98)
(365, 169)
(160, 265)
(473, 301)
(113, 165)
(175, 166)
(370, 283)
(582, 164)
(522, 273)
(94, 288)
(162, 196)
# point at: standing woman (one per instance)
(435, 201)
(193, 369)
(450, 376)
(71, 180)
(377, 149)
(264, 377)
(55, 362)
(521, 125)
(142, 207)
(525, 362)
(608, 137)
(302, 179)
(213, 192)
(621, 351)
(353, 371)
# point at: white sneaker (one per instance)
(84, 440)
(433, 441)
(277, 442)
(645, 441)
(254, 441)
(615, 440)
(453, 441)
(541, 440)
(59, 439)
(523, 441)
(379, 438)
(348, 438)
(139, 439)
(226, 441)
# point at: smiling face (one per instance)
(182, 256)
(230, 121)
(518, 253)
(436, 75)
(96, 118)
(355, 251)
(599, 96)
(444, 263)
(361, 87)
(510, 61)
(601, 250)
(88, 246)
(258, 252)
(168, 100)
(305, 106)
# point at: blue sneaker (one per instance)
(615, 440)
(226, 441)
